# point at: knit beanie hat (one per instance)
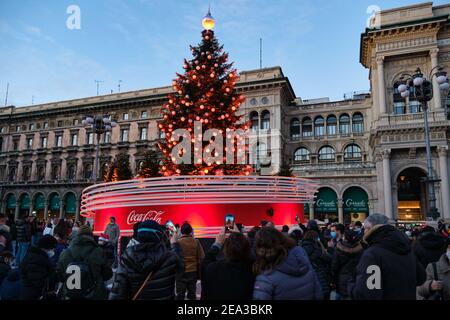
(47, 242)
(85, 230)
(149, 231)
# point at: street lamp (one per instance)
(422, 89)
(99, 125)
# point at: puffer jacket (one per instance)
(388, 255)
(135, 265)
(292, 279)
(37, 273)
(23, 229)
(343, 266)
(84, 247)
(321, 262)
(429, 247)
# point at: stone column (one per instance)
(341, 211)
(387, 183)
(46, 210)
(311, 211)
(31, 206)
(436, 91)
(61, 208)
(381, 85)
(16, 212)
(445, 191)
(77, 210)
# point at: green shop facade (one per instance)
(327, 207)
(42, 206)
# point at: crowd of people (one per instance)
(361, 261)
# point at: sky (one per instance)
(143, 43)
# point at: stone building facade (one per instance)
(367, 150)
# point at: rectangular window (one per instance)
(399, 107)
(75, 122)
(344, 128)
(30, 143)
(2, 130)
(31, 126)
(107, 137)
(74, 139)
(144, 114)
(60, 123)
(17, 128)
(90, 138)
(45, 126)
(415, 106)
(15, 145)
(319, 131)
(58, 141)
(125, 116)
(44, 142)
(331, 130)
(162, 134)
(124, 135)
(143, 134)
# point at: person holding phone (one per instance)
(230, 278)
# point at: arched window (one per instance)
(71, 172)
(301, 155)
(327, 154)
(319, 126)
(41, 173)
(12, 174)
(55, 172)
(307, 127)
(88, 171)
(26, 173)
(295, 129)
(265, 120)
(358, 123)
(352, 152)
(254, 119)
(344, 124)
(105, 169)
(398, 101)
(331, 125)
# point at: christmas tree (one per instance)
(150, 167)
(119, 169)
(204, 94)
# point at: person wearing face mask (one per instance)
(437, 285)
(37, 271)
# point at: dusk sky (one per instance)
(143, 43)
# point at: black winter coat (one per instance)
(321, 263)
(226, 280)
(343, 266)
(37, 273)
(23, 229)
(135, 265)
(84, 246)
(400, 271)
(429, 247)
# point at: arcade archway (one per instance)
(411, 195)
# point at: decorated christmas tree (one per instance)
(150, 167)
(119, 169)
(204, 97)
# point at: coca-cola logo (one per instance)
(134, 217)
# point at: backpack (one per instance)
(85, 289)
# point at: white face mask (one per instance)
(51, 253)
(448, 254)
